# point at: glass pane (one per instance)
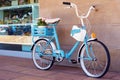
(15, 30)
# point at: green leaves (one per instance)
(41, 22)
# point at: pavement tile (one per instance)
(109, 75)
(66, 76)
(37, 72)
(30, 78)
(12, 68)
(88, 78)
(66, 69)
(116, 77)
(7, 75)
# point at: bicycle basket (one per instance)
(44, 31)
(78, 33)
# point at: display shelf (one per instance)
(18, 32)
(1, 25)
(18, 13)
(24, 40)
(4, 3)
(18, 6)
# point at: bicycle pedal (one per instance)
(73, 61)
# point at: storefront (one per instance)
(17, 17)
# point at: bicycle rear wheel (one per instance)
(42, 54)
(99, 63)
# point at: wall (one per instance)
(105, 22)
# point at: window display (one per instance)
(4, 3)
(17, 18)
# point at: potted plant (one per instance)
(41, 23)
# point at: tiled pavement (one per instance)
(12, 68)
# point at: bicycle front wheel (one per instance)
(42, 54)
(97, 63)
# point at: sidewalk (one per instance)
(12, 68)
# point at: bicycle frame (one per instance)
(71, 51)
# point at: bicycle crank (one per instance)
(59, 59)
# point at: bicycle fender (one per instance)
(52, 44)
(91, 39)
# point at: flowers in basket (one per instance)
(41, 22)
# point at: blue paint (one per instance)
(87, 48)
(26, 48)
(68, 55)
(75, 31)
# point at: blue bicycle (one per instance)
(93, 55)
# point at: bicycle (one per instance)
(93, 55)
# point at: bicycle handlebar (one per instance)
(66, 3)
(76, 10)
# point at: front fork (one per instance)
(89, 50)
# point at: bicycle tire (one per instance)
(99, 48)
(42, 54)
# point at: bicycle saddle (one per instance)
(52, 21)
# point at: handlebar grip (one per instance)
(94, 6)
(66, 3)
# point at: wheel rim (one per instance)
(42, 55)
(96, 67)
